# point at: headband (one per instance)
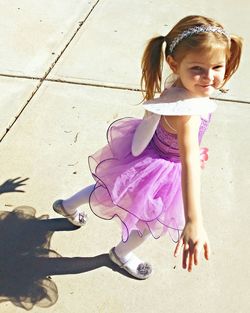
(194, 31)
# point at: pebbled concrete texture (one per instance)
(15, 93)
(33, 35)
(93, 47)
(56, 121)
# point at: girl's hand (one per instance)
(193, 240)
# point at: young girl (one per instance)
(148, 175)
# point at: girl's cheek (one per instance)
(192, 75)
(196, 77)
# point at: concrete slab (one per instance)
(67, 123)
(34, 34)
(108, 49)
(14, 95)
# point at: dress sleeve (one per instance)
(144, 133)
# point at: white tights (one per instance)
(123, 249)
(78, 199)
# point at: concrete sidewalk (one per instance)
(68, 69)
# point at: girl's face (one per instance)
(201, 73)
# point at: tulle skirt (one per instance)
(143, 192)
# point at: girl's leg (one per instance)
(81, 197)
(124, 249)
(69, 207)
(123, 256)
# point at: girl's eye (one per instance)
(196, 69)
(218, 67)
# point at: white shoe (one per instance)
(143, 270)
(79, 218)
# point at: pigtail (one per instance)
(235, 56)
(152, 62)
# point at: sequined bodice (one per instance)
(167, 143)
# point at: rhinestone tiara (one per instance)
(193, 31)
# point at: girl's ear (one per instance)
(172, 64)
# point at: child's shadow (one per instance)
(27, 262)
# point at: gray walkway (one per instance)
(67, 70)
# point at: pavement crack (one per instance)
(80, 25)
(42, 79)
(21, 76)
(100, 85)
(21, 111)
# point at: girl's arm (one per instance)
(187, 132)
(144, 133)
(193, 237)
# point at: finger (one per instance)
(14, 179)
(185, 255)
(191, 257)
(190, 260)
(207, 251)
(23, 180)
(19, 185)
(197, 251)
(177, 248)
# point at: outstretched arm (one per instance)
(144, 133)
(193, 238)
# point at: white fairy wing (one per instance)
(191, 106)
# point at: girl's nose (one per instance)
(208, 74)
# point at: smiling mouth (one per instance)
(206, 86)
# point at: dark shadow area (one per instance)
(11, 185)
(27, 262)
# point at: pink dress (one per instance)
(142, 191)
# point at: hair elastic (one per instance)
(193, 31)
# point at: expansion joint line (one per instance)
(41, 80)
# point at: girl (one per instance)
(149, 173)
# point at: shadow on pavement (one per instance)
(27, 262)
(11, 185)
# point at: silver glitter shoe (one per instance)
(79, 218)
(143, 271)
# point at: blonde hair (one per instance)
(153, 57)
